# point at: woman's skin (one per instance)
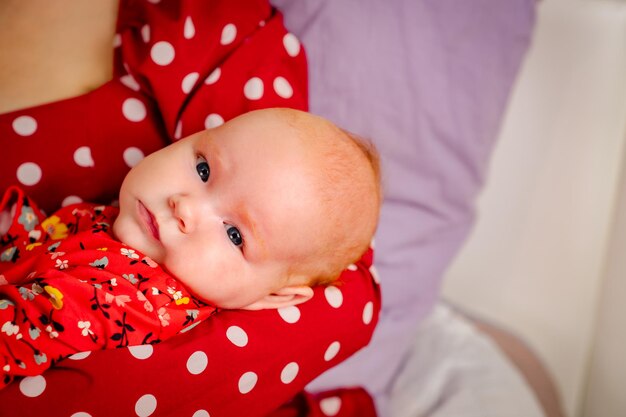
(53, 50)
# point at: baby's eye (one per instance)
(234, 235)
(202, 167)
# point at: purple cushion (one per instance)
(428, 82)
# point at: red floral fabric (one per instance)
(179, 67)
(67, 286)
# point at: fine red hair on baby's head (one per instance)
(347, 176)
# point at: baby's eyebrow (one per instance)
(213, 156)
(212, 150)
(250, 225)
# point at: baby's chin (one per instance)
(134, 239)
(116, 229)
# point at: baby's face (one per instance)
(227, 211)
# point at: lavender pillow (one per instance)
(428, 82)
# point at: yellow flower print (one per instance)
(55, 229)
(183, 300)
(56, 297)
(178, 296)
(32, 246)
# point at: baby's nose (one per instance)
(182, 210)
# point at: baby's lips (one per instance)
(149, 220)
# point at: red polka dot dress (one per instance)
(180, 67)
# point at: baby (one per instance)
(248, 215)
(255, 212)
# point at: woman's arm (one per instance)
(240, 363)
(54, 50)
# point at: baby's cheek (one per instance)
(190, 273)
(172, 263)
(122, 231)
(183, 264)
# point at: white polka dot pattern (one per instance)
(132, 156)
(333, 296)
(213, 120)
(368, 313)
(332, 351)
(352, 267)
(201, 413)
(80, 356)
(130, 82)
(290, 314)
(289, 373)
(162, 53)
(282, 87)
(33, 386)
(29, 173)
(25, 125)
(213, 77)
(291, 44)
(134, 110)
(330, 406)
(146, 405)
(178, 133)
(374, 273)
(229, 33)
(237, 336)
(141, 352)
(247, 382)
(83, 158)
(145, 33)
(81, 414)
(71, 199)
(117, 40)
(190, 29)
(253, 90)
(197, 362)
(189, 81)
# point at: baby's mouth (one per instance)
(149, 220)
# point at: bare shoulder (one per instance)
(54, 49)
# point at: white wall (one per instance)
(537, 257)
(607, 372)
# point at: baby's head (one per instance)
(255, 212)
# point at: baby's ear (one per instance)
(285, 297)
